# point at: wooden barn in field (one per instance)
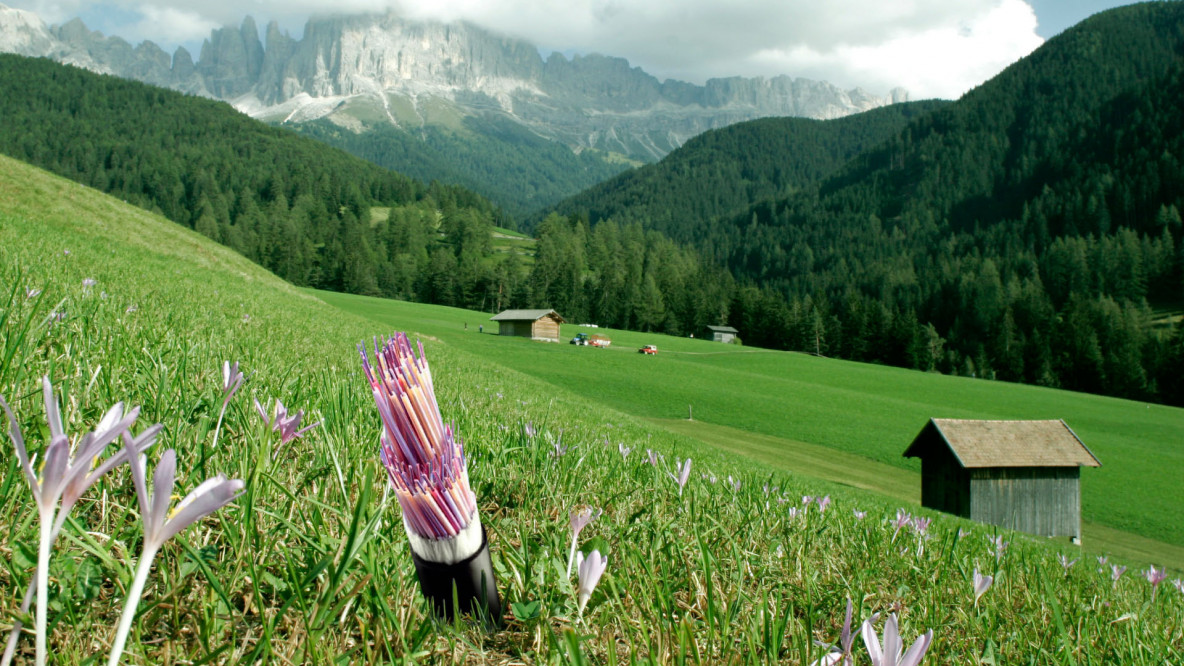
(1022, 475)
(534, 324)
(724, 334)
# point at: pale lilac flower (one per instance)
(624, 449)
(31, 293)
(1179, 585)
(1066, 563)
(580, 520)
(1116, 573)
(859, 515)
(231, 380)
(88, 283)
(103, 295)
(806, 499)
(981, 584)
(559, 448)
(734, 483)
(1155, 577)
(903, 520)
(162, 524)
(888, 654)
(529, 430)
(1102, 562)
(999, 544)
(651, 457)
(921, 525)
(65, 253)
(64, 474)
(792, 512)
(57, 315)
(591, 569)
(823, 504)
(131, 308)
(246, 317)
(684, 473)
(283, 423)
(766, 489)
(846, 641)
(962, 534)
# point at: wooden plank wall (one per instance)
(546, 328)
(1039, 500)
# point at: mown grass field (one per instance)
(311, 564)
(870, 412)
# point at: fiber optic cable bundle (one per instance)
(426, 466)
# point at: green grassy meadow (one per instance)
(869, 414)
(310, 564)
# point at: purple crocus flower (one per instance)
(806, 499)
(888, 654)
(579, 520)
(981, 585)
(131, 308)
(1179, 585)
(684, 473)
(859, 515)
(734, 483)
(162, 524)
(1102, 562)
(999, 544)
(903, 519)
(921, 525)
(31, 293)
(285, 424)
(1116, 573)
(65, 473)
(559, 448)
(823, 504)
(841, 656)
(231, 380)
(651, 457)
(1155, 577)
(624, 449)
(792, 512)
(1066, 563)
(591, 568)
(88, 283)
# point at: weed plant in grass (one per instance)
(310, 564)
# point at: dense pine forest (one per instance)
(725, 171)
(493, 156)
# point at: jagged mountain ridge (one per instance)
(364, 71)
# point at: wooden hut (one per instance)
(723, 334)
(534, 324)
(1022, 475)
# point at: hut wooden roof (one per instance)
(979, 444)
(722, 329)
(525, 315)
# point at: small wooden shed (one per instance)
(725, 334)
(1022, 475)
(534, 324)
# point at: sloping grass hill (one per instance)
(317, 571)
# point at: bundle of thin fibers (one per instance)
(426, 466)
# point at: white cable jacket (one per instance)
(448, 551)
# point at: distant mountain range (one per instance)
(447, 88)
(373, 69)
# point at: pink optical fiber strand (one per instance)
(423, 459)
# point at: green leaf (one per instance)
(526, 611)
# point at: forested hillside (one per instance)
(1027, 232)
(495, 157)
(292, 204)
(724, 171)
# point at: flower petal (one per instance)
(163, 479)
(211, 495)
(913, 656)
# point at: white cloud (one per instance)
(931, 47)
(169, 25)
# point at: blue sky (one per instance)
(932, 48)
